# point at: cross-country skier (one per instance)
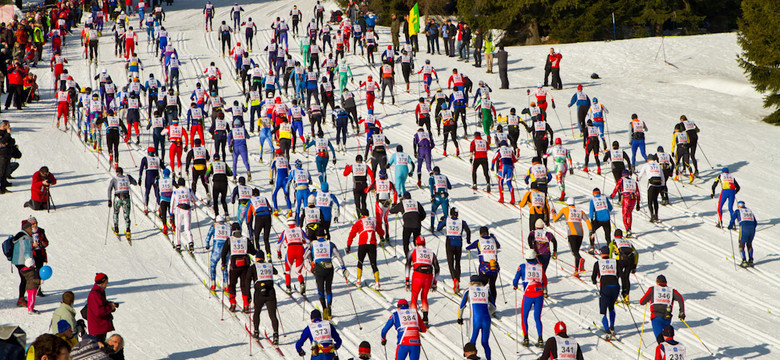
(487, 248)
(279, 173)
(538, 206)
(293, 240)
(637, 139)
(661, 299)
(534, 289)
(478, 294)
(583, 105)
(627, 258)
(321, 253)
(592, 146)
(454, 228)
(324, 200)
(478, 158)
(219, 171)
(505, 158)
(439, 186)
(423, 144)
(310, 218)
(575, 232)
(562, 158)
(120, 188)
(618, 159)
(262, 274)
(627, 190)
(746, 220)
(412, 214)
(166, 191)
(199, 156)
(242, 193)
(692, 131)
(538, 174)
(484, 106)
(600, 214)
(113, 127)
(540, 240)
(365, 229)
(371, 87)
(382, 188)
(607, 273)
(220, 232)
(195, 123)
(258, 220)
(729, 188)
(324, 338)
(150, 165)
(655, 184)
(402, 170)
(182, 202)
(301, 179)
(408, 325)
(681, 149)
(561, 346)
(237, 139)
(236, 252)
(321, 145)
(669, 348)
(175, 134)
(422, 268)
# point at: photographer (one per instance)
(8, 151)
(99, 310)
(41, 181)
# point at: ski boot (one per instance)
(585, 170)
(190, 246)
(611, 333)
(540, 343)
(213, 285)
(375, 285)
(488, 188)
(178, 248)
(743, 264)
(248, 177)
(425, 318)
(256, 334)
(288, 290)
(457, 151)
(146, 210)
(245, 310)
(750, 262)
(563, 196)
(719, 225)
(419, 182)
(456, 287)
(525, 340)
(268, 258)
(326, 314)
(501, 198)
(127, 234)
(289, 213)
(445, 153)
(598, 170)
(113, 228)
(512, 199)
(276, 212)
(358, 284)
(690, 178)
(275, 339)
(232, 308)
(303, 288)
(165, 229)
(474, 187)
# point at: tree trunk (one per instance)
(533, 30)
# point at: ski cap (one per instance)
(570, 201)
(557, 141)
(316, 314)
(531, 255)
(560, 326)
(402, 303)
(311, 199)
(364, 348)
(740, 204)
(604, 251)
(596, 191)
(668, 331)
(660, 280)
(477, 279)
(725, 170)
(618, 233)
(539, 223)
(407, 195)
(579, 87)
(420, 241)
(100, 278)
(291, 221)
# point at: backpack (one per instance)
(8, 247)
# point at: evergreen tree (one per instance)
(758, 37)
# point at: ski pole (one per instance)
(697, 336)
(559, 119)
(641, 332)
(281, 326)
(571, 121)
(385, 347)
(639, 283)
(130, 151)
(353, 303)
(222, 300)
(551, 310)
(501, 282)
(423, 350)
(197, 223)
(733, 257)
(105, 239)
(632, 318)
(679, 193)
(499, 347)
(517, 350)
(705, 155)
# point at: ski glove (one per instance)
(637, 206)
(553, 104)
(349, 249)
(109, 203)
(302, 353)
(460, 321)
(334, 161)
(571, 171)
(434, 286)
(344, 272)
(384, 342)
(407, 285)
(682, 315)
(712, 196)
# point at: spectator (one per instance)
(65, 332)
(8, 150)
(39, 244)
(12, 342)
(555, 65)
(395, 27)
(41, 181)
(67, 313)
(432, 33)
(16, 74)
(501, 56)
(478, 40)
(48, 347)
(99, 310)
(32, 283)
(464, 45)
(445, 35)
(452, 32)
(116, 345)
(22, 242)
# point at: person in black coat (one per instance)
(501, 56)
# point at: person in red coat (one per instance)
(39, 192)
(99, 310)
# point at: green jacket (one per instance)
(67, 313)
(489, 48)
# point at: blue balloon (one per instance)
(45, 272)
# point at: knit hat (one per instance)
(316, 314)
(32, 220)
(62, 326)
(26, 225)
(100, 278)
(29, 262)
(660, 279)
(364, 348)
(668, 331)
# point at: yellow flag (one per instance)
(414, 20)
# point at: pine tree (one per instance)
(758, 37)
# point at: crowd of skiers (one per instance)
(241, 241)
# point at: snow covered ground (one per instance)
(167, 313)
